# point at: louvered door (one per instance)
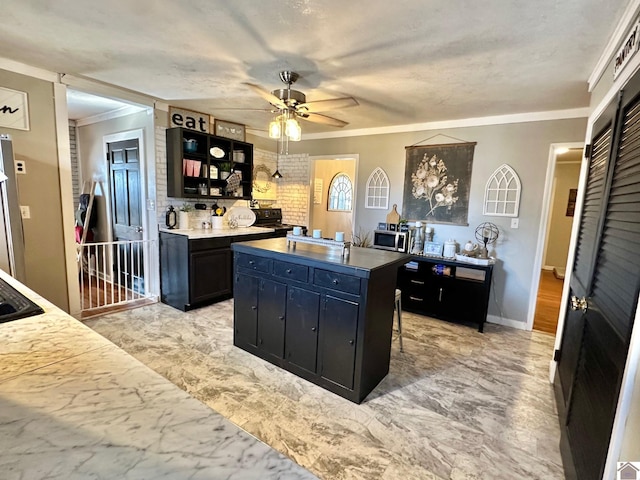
(612, 283)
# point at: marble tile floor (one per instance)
(457, 404)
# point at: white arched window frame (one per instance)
(340, 193)
(502, 194)
(377, 190)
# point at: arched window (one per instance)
(502, 195)
(340, 193)
(377, 190)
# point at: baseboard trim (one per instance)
(507, 322)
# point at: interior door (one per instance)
(604, 292)
(126, 211)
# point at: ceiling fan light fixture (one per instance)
(293, 130)
(274, 128)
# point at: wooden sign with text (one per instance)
(179, 117)
(14, 109)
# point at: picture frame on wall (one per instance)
(234, 131)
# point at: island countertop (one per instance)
(359, 262)
(73, 405)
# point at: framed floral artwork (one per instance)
(437, 181)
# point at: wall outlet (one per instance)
(25, 211)
(515, 222)
(21, 167)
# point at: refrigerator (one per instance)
(11, 234)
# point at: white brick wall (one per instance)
(75, 169)
(293, 189)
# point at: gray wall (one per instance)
(566, 176)
(523, 146)
(40, 190)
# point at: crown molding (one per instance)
(609, 51)
(101, 117)
(445, 124)
(24, 69)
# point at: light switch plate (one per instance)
(515, 222)
(25, 211)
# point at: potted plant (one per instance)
(225, 170)
(183, 216)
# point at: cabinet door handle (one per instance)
(416, 299)
(418, 282)
(253, 307)
(440, 295)
(281, 317)
(335, 281)
(289, 271)
(350, 342)
(313, 329)
(251, 262)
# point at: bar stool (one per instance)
(398, 310)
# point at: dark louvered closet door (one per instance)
(585, 251)
(611, 305)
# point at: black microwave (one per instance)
(389, 240)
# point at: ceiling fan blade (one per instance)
(268, 96)
(325, 120)
(330, 104)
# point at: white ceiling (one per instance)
(407, 61)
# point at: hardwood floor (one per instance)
(100, 297)
(548, 303)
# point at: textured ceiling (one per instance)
(407, 61)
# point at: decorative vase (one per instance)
(183, 220)
(217, 223)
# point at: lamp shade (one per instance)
(274, 129)
(292, 130)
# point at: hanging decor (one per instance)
(437, 183)
(14, 109)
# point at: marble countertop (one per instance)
(222, 232)
(75, 406)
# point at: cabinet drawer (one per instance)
(291, 270)
(209, 243)
(336, 281)
(253, 262)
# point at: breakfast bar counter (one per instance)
(322, 315)
(75, 406)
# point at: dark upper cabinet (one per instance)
(199, 165)
(301, 340)
(245, 294)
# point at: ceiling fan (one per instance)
(294, 102)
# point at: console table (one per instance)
(446, 289)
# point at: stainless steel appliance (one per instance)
(272, 218)
(11, 235)
(391, 240)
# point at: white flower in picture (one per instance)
(430, 183)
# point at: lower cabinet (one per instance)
(196, 271)
(338, 345)
(301, 333)
(446, 289)
(272, 297)
(245, 301)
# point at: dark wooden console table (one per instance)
(446, 289)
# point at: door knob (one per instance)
(578, 303)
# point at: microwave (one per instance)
(389, 240)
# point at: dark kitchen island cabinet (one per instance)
(325, 317)
(196, 267)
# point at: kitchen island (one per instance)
(75, 406)
(323, 316)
